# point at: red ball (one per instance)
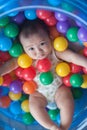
(75, 68)
(7, 79)
(66, 80)
(43, 65)
(43, 14)
(5, 102)
(5, 56)
(85, 51)
(18, 72)
(29, 73)
(84, 70)
(50, 21)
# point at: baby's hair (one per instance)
(30, 27)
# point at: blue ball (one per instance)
(15, 108)
(12, 14)
(5, 43)
(30, 14)
(54, 2)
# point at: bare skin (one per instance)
(38, 46)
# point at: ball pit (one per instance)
(64, 22)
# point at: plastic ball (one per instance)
(84, 70)
(77, 93)
(24, 61)
(4, 21)
(4, 101)
(85, 44)
(60, 16)
(12, 14)
(25, 106)
(46, 78)
(72, 34)
(30, 14)
(84, 84)
(60, 43)
(15, 108)
(75, 68)
(11, 30)
(66, 80)
(28, 118)
(63, 69)
(43, 65)
(4, 56)
(16, 50)
(24, 97)
(67, 7)
(50, 21)
(18, 72)
(29, 87)
(1, 80)
(4, 91)
(5, 43)
(18, 18)
(62, 27)
(53, 114)
(43, 14)
(82, 34)
(54, 2)
(53, 32)
(29, 73)
(7, 79)
(76, 80)
(16, 86)
(15, 96)
(85, 51)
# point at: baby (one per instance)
(37, 43)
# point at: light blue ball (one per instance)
(54, 2)
(15, 108)
(30, 14)
(5, 43)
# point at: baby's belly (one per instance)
(49, 90)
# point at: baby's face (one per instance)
(37, 46)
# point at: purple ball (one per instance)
(82, 34)
(62, 27)
(16, 86)
(18, 18)
(60, 17)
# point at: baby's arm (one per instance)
(73, 57)
(8, 66)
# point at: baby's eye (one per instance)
(43, 43)
(31, 49)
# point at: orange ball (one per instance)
(53, 32)
(1, 80)
(85, 44)
(29, 87)
(5, 101)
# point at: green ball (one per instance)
(46, 78)
(76, 80)
(67, 7)
(16, 50)
(77, 93)
(24, 97)
(28, 118)
(72, 34)
(53, 114)
(11, 30)
(4, 21)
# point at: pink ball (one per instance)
(43, 65)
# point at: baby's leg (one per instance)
(65, 103)
(37, 104)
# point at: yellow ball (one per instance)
(25, 106)
(60, 44)
(14, 96)
(62, 69)
(1, 80)
(24, 61)
(84, 84)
